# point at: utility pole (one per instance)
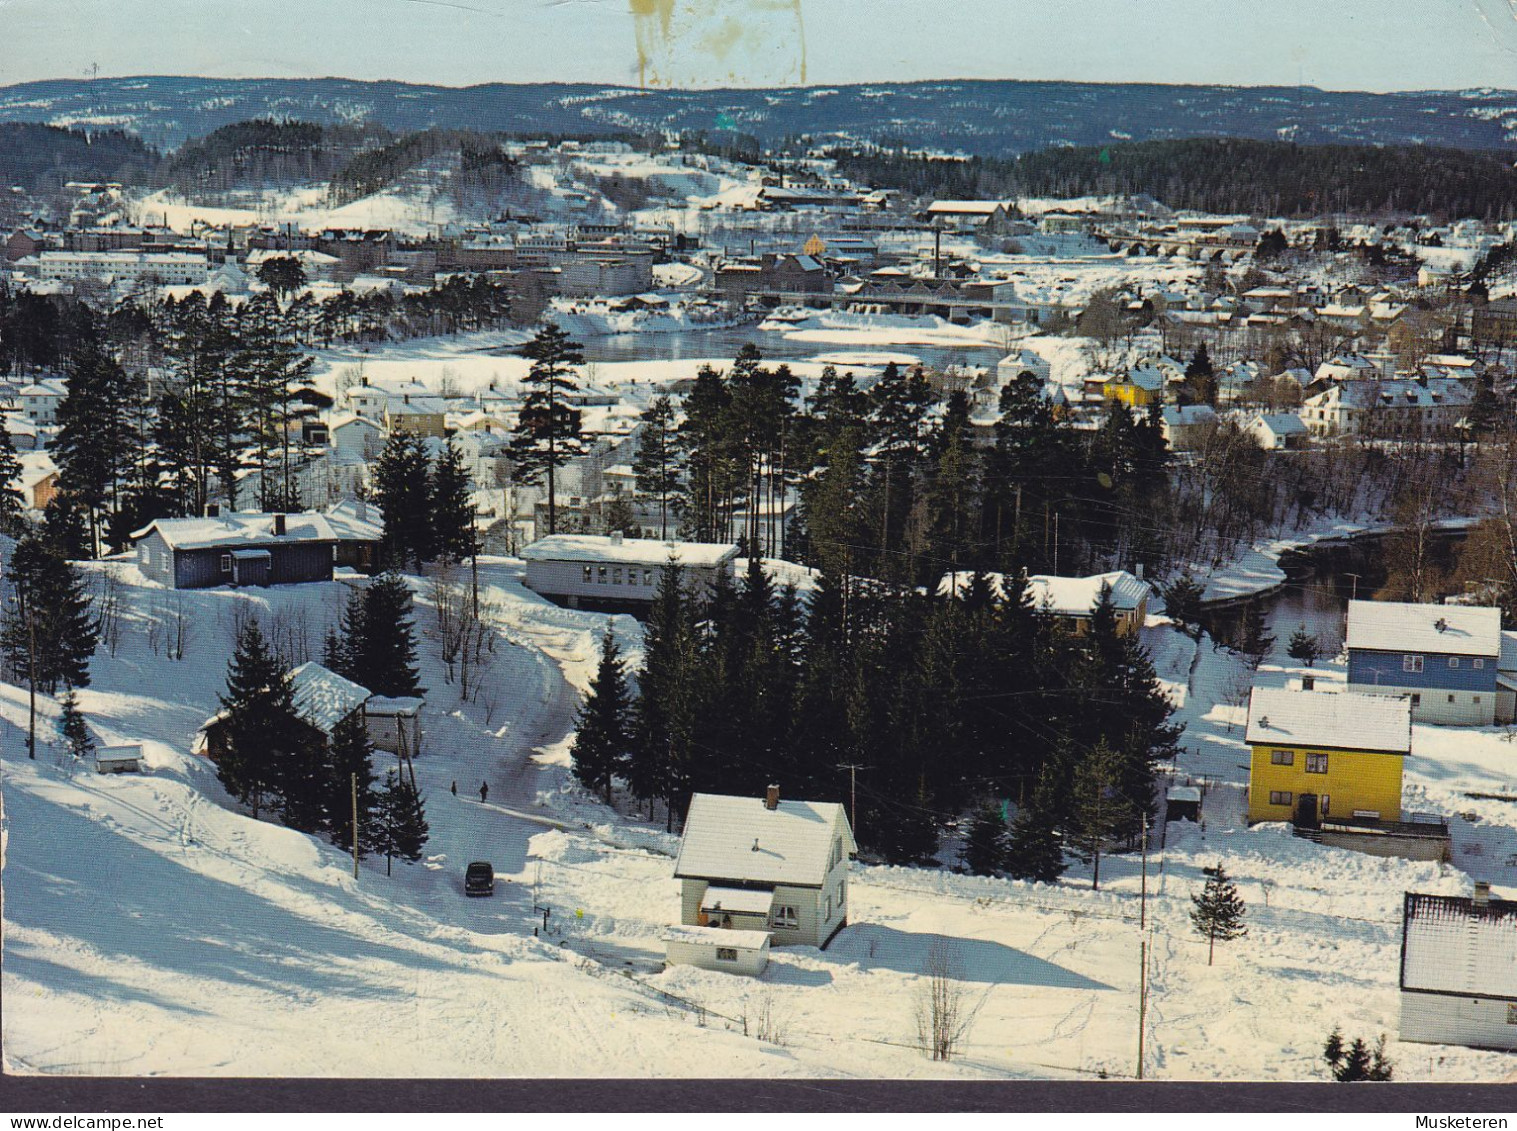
(1143, 953)
(1056, 543)
(1354, 591)
(31, 669)
(853, 769)
(355, 825)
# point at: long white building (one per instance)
(165, 268)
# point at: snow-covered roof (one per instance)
(717, 936)
(1452, 945)
(1185, 415)
(741, 900)
(1077, 596)
(1393, 626)
(741, 838)
(1280, 423)
(235, 529)
(965, 207)
(634, 551)
(352, 520)
(389, 706)
(323, 698)
(1281, 716)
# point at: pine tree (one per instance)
(656, 464)
(1218, 912)
(548, 430)
(404, 820)
(1036, 850)
(384, 654)
(602, 741)
(12, 501)
(985, 848)
(1182, 601)
(1304, 647)
(452, 506)
(257, 720)
(350, 757)
(75, 731)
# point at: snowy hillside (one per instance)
(152, 929)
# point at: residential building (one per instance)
(613, 573)
(1072, 600)
(1422, 409)
(1459, 970)
(1277, 431)
(762, 864)
(321, 699)
(1442, 658)
(1139, 387)
(1185, 427)
(1320, 753)
(236, 549)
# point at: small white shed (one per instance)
(118, 759)
(394, 723)
(714, 948)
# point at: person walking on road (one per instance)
(455, 789)
(484, 790)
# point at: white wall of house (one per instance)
(612, 581)
(1439, 707)
(1450, 1019)
(713, 955)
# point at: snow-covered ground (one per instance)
(414, 211)
(152, 929)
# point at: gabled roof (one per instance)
(1452, 945)
(1280, 423)
(1451, 630)
(741, 839)
(1077, 596)
(1281, 716)
(239, 530)
(323, 698)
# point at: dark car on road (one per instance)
(479, 878)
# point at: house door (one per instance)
(1306, 811)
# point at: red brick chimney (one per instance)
(772, 797)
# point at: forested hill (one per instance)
(991, 118)
(1224, 175)
(31, 154)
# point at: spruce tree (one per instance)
(1218, 912)
(12, 501)
(1036, 850)
(1357, 1062)
(1100, 813)
(49, 632)
(602, 741)
(404, 820)
(665, 713)
(258, 720)
(384, 654)
(1304, 647)
(656, 464)
(400, 480)
(351, 755)
(452, 506)
(75, 731)
(1182, 601)
(301, 773)
(548, 430)
(985, 848)
(1255, 642)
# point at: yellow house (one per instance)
(1321, 753)
(1137, 388)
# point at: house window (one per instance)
(1416, 700)
(726, 954)
(647, 577)
(1451, 696)
(589, 575)
(1316, 763)
(1453, 661)
(1280, 797)
(1475, 699)
(1511, 1013)
(1411, 663)
(144, 555)
(226, 563)
(600, 574)
(616, 576)
(786, 918)
(1479, 664)
(828, 915)
(842, 893)
(632, 577)
(1282, 757)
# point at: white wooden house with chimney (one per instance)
(762, 865)
(1459, 970)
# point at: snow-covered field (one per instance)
(152, 929)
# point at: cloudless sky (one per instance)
(1333, 44)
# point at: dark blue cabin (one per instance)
(236, 549)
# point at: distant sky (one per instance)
(1334, 44)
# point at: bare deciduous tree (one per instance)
(944, 1013)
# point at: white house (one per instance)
(1024, 360)
(1459, 970)
(1420, 409)
(610, 572)
(1276, 431)
(715, 948)
(1184, 427)
(762, 864)
(40, 400)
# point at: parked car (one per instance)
(479, 878)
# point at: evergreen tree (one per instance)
(1182, 601)
(1200, 378)
(656, 464)
(1255, 641)
(1036, 849)
(342, 647)
(49, 632)
(985, 848)
(666, 706)
(404, 820)
(12, 501)
(258, 720)
(384, 653)
(401, 479)
(1099, 812)
(302, 775)
(452, 506)
(1358, 1062)
(1304, 647)
(350, 757)
(75, 731)
(602, 741)
(1218, 912)
(548, 430)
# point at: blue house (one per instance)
(236, 549)
(1443, 657)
